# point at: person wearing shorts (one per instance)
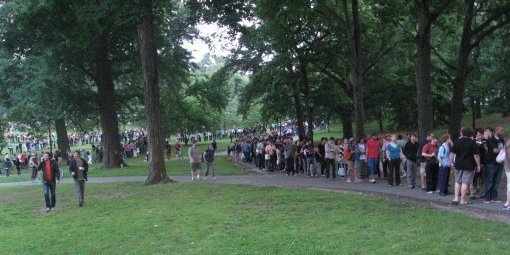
(467, 161)
(194, 161)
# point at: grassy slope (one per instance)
(224, 219)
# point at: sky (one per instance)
(218, 43)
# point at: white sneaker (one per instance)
(205, 178)
(214, 178)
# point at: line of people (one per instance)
(429, 163)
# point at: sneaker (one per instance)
(205, 178)
(496, 201)
(349, 181)
(389, 185)
(358, 180)
(506, 208)
(430, 192)
(287, 175)
(48, 209)
(410, 186)
(486, 201)
(214, 178)
(192, 179)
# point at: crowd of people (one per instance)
(426, 163)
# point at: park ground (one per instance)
(210, 217)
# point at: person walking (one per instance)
(7, 165)
(209, 161)
(410, 151)
(467, 160)
(51, 177)
(79, 168)
(194, 161)
(443, 157)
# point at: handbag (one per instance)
(501, 156)
(341, 170)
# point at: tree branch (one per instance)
(445, 62)
(480, 37)
(505, 9)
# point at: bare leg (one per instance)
(463, 192)
(457, 192)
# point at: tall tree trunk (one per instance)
(380, 121)
(299, 112)
(355, 61)
(346, 115)
(459, 83)
(423, 86)
(148, 55)
(62, 138)
(309, 99)
(108, 114)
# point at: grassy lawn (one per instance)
(197, 218)
(138, 167)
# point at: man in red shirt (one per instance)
(432, 164)
(51, 177)
(373, 148)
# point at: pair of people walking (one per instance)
(51, 177)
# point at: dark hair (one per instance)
(467, 132)
(77, 151)
(399, 137)
(478, 130)
(490, 129)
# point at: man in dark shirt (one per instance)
(493, 170)
(466, 156)
(411, 152)
(79, 169)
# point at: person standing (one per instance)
(209, 161)
(393, 153)
(506, 165)
(443, 157)
(467, 160)
(493, 169)
(373, 147)
(194, 161)
(432, 165)
(32, 163)
(411, 153)
(322, 152)
(329, 159)
(79, 168)
(51, 177)
(290, 156)
(168, 150)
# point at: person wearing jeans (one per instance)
(51, 177)
(209, 161)
(410, 151)
(493, 169)
(444, 164)
(79, 168)
(373, 148)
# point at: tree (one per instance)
(148, 56)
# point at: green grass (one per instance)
(197, 218)
(138, 167)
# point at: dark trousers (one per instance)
(261, 161)
(289, 165)
(492, 176)
(444, 177)
(385, 164)
(394, 171)
(34, 172)
(323, 165)
(330, 167)
(49, 193)
(432, 169)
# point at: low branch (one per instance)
(443, 60)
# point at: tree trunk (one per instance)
(309, 99)
(62, 138)
(459, 83)
(299, 112)
(108, 114)
(355, 61)
(473, 114)
(148, 55)
(380, 121)
(423, 86)
(346, 115)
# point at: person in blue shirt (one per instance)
(444, 163)
(394, 155)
